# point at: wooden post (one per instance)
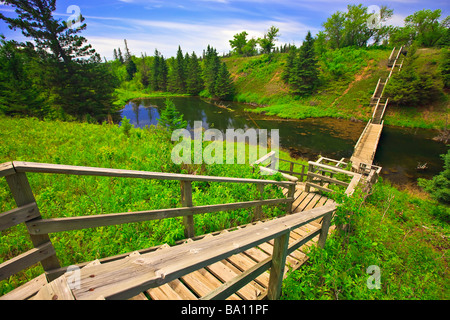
(303, 172)
(23, 195)
(291, 168)
(258, 209)
(324, 231)
(308, 178)
(186, 201)
(277, 269)
(291, 194)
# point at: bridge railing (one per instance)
(27, 210)
(296, 172)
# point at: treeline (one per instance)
(59, 75)
(207, 75)
(353, 29)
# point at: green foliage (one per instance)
(439, 186)
(303, 76)
(224, 87)
(390, 229)
(267, 43)
(126, 126)
(67, 70)
(106, 146)
(412, 87)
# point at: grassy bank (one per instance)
(405, 236)
(108, 146)
(349, 77)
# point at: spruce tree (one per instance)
(76, 79)
(223, 88)
(211, 69)
(170, 118)
(304, 78)
(194, 81)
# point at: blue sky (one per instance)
(193, 24)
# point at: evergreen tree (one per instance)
(131, 68)
(115, 56)
(18, 93)
(211, 69)
(180, 72)
(120, 56)
(304, 78)
(223, 87)
(170, 118)
(292, 54)
(194, 81)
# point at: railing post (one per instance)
(258, 209)
(291, 194)
(186, 201)
(291, 168)
(308, 178)
(23, 195)
(324, 231)
(277, 269)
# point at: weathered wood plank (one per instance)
(23, 195)
(277, 266)
(18, 215)
(46, 226)
(21, 166)
(186, 201)
(331, 180)
(58, 289)
(25, 260)
(240, 281)
(126, 278)
(27, 290)
(6, 169)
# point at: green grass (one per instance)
(349, 77)
(123, 96)
(406, 236)
(108, 146)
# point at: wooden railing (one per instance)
(293, 174)
(160, 267)
(317, 176)
(27, 210)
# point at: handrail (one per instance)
(20, 166)
(362, 134)
(28, 212)
(160, 267)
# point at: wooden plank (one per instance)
(26, 290)
(237, 282)
(182, 290)
(18, 215)
(277, 267)
(262, 159)
(324, 231)
(21, 166)
(58, 289)
(23, 195)
(201, 284)
(25, 260)
(313, 185)
(114, 280)
(6, 169)
(244, 262)
(225, 274)
(331, 180)
(186, 201)
(46, 226)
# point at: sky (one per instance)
(194, 24)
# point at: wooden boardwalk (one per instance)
(200, 283)
(366, 147)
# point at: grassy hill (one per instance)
(349, 78)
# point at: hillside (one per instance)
(349, 77)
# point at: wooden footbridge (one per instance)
(367, 144)
(247, 262)
(228, 264)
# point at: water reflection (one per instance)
(399, 152)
